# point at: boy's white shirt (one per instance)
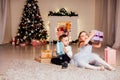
(69, 49)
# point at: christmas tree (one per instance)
(31, 25)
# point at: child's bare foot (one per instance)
(101, 68)
(111, 68)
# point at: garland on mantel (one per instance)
(62, 12)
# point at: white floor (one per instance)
(9, 53)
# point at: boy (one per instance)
(64, 57)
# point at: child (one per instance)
(85, 58)
(63, 58)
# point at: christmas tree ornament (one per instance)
(34, 7)
(35, 1)
(18, 34)
(28, 5)
(26, 32)
(28, 21)
(17, 42)
(24, 37)
(29, 34)
(13, 41)
(32, 31)
(33, 15)
(21, 40)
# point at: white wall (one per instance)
(17, 7)
(84, 8)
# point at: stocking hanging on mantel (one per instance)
(31, 26)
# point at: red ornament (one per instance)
(13, 41)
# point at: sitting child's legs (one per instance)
(66, 58)
(102, 62)
(61, 60)
(56, 61)
(88, 66)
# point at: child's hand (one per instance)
(54, 50)
(65, 50)
(92, 33)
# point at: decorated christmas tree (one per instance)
(31, 26)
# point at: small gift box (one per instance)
(98, 37)
(35, 42)
(46, 54)
(110, 56)
(22, 44)
(39, 59)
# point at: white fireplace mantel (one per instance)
(53, 24)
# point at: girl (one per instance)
(85, 58)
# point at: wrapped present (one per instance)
(43, 42)
(35, 42)
(22, 44)
(42, 60)
(46, 54)
(98, 37)
(110, 56)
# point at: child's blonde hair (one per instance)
(79, 37)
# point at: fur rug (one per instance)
(32, 70)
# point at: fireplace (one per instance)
(63, 21)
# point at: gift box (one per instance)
(22, 44)
(110, 56)
(46, 54)
(98, 37)
(35, 42)
(42, 60)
